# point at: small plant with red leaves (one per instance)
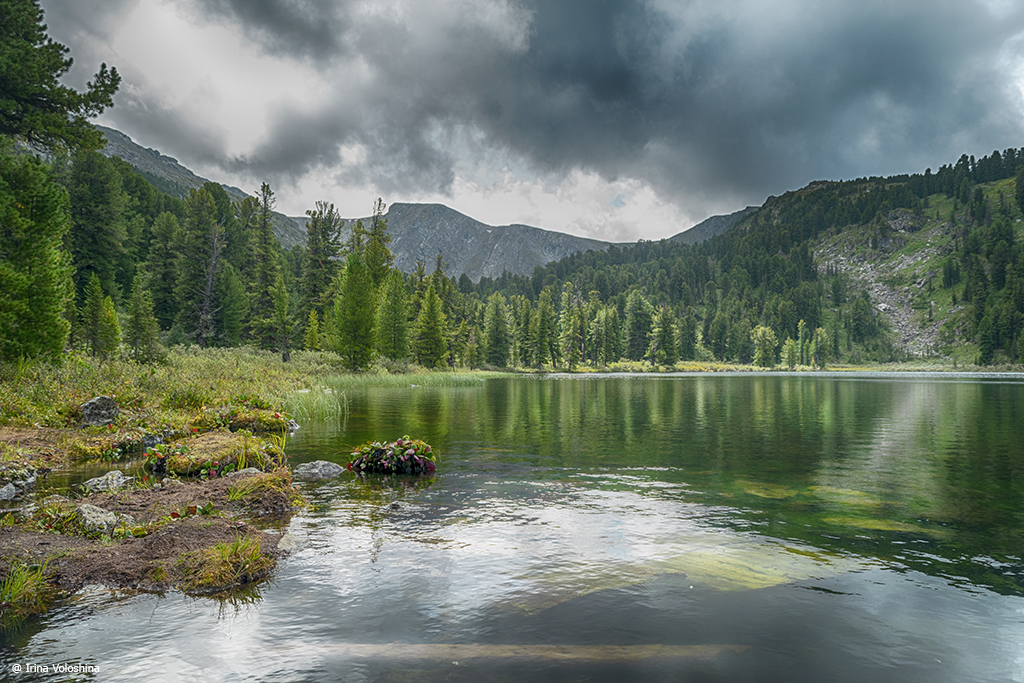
(402, 456)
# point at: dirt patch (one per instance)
(177, 535)
(40, 445)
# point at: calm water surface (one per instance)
(690, 528)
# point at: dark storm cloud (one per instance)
(694, 98)
(305, 28)
(711, 103)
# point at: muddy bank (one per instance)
(201, 537)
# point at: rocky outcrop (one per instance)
(95, 520)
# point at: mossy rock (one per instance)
(235, 419)
(221, 451)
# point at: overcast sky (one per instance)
(614, 119)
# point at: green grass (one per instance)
(223, 566)
(24, 591)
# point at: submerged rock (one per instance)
(99, 411)
(108, 482)
(8, 492)
(318, 469)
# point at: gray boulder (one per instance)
(248, 471)
(98, 520)
(318, 469)
(108, 482)
(8, 492)
(99, 411)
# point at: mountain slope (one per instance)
(422, 231)
(167, 175)
(711, 227)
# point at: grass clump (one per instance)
(24, 590)
(224, 566)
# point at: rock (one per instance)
(247, 472)
(98, 520)
(99, 411)
(8, 492)
(108, 482)
(318, 469)
(288, 543)
(171, 483)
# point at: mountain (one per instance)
(711, 227)
(419, 231)
(167, 175)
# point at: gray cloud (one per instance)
(710, 103)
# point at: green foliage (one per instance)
(429, 345)
(377, 255)
(263, 328)
(199, 262)
(33, 104)
(663, 349)
(765, 342)
(354, 315)
(323, 244)
(311, 337)
(35, 275)
(99, 234)
(393, 319)
(790, 354)
(402, 456)
(496, 336)
(638, 326)
(24, 590)
(282, 318)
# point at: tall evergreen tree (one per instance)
(98, 231)
(765, 342)
(162, 267)
(663, 349)
(35, 273)
(393, 318)
(498, 342)
(282, 318)
(570, 328)
(199, 263)
(354, 315)
(265, 269)
(323, 245)
(638, 325)
(142, 333)
(429, 345)
(232, 305)
(377, 254)
(92, 315)
(33, 104)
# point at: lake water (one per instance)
(725, 527)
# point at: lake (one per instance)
(720, 527)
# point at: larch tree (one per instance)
(393, 318)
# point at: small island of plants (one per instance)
(402, 456)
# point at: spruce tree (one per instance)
(199, 263)
(162, 266)
(282, 318)
(765, 342)
(142, 333)
(429, 345)
(233, 305)
(393, 318)
(92, 315)
(323, 245)
(638, 326)
(311, 337)
(35, 273)
(354, 315)
(570, 328)
(377, 255)
(265, 269)
(663, 349)
(497, 341)
(98, 231)
(109, 330)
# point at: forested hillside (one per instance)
(93, 256)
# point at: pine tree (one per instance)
(199, 263)
(393, 319)
(638, 326)
(498, 343)
(265, 269)
(282, 318)
(354, 315)
(323, 245)
(663, 350)
(311, 338)
(143, 329)
(33, 104)
(429, 345)
(162, 267)
(35, 273)
(765, 342)
(98, 231)
(377, 255)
